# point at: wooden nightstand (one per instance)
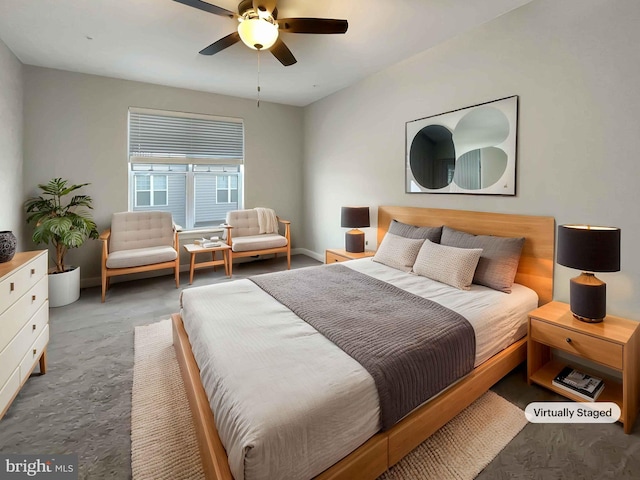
(614, 343)
(333, 255)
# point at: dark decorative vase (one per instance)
(7, 246)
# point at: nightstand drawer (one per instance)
(586, 346)
(333, 258)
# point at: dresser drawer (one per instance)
(14, 352)
(586, 346)
(8, 390)
(13, 286)
(32, 356)
(16, 316)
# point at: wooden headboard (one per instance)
(536, 262)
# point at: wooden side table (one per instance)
(333, 255)
(614, 343)
(195, 249)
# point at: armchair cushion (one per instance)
(135, 230)
(141, 256)
(262, 241)
(245, 223)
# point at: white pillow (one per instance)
(451, 265)
(398, 252)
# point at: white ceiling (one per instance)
(158, 41)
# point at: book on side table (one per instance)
(204, 243)
(579, 383)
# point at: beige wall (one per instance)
(573, 65)
(11, 217)
(76, 128)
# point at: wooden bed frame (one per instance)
(385, 449)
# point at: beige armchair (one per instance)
(139, 242)
(242, 232)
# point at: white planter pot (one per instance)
(64, 288)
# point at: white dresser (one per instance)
(24, 321)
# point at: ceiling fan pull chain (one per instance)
(258, 78)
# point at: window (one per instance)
(151, 190)
(190, 165)
(227, 189)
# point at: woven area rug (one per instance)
(164, 446)
(163, 436)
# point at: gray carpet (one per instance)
(83, 404)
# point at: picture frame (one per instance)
(471, 150)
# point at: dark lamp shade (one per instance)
(354, 217)
(588, 248)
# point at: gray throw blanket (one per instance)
(412, 347)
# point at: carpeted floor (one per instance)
(163, 437)
(83, 404)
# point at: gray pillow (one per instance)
(499, 261)
(450, 265)
(398, 252)
(412, 231)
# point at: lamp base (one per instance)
(588, 298)
(354, 241)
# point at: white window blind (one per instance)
(173, 137)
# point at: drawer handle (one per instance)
(33, 327)
(33, 298)
(12, 287)
(33, 271)
(568, 340)
(35, 351)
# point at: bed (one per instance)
(378, 451)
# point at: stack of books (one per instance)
(204, 243)
(581, 384)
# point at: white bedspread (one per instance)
(287, 402)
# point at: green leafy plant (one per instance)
(64, 226)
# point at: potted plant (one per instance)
(63, 225)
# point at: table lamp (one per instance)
(590, 249)
(354, 217)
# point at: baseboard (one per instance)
(309, 253)
(184, 267)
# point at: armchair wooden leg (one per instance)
(177, 274)
(104, 285)
(289, 259)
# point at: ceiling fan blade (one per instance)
(221, 44)
(313, 25)
(264, 5)
(207, 7)
(282, 53)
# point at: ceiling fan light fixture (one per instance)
(258, 33)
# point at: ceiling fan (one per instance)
(259, 27)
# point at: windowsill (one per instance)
(198, 232)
